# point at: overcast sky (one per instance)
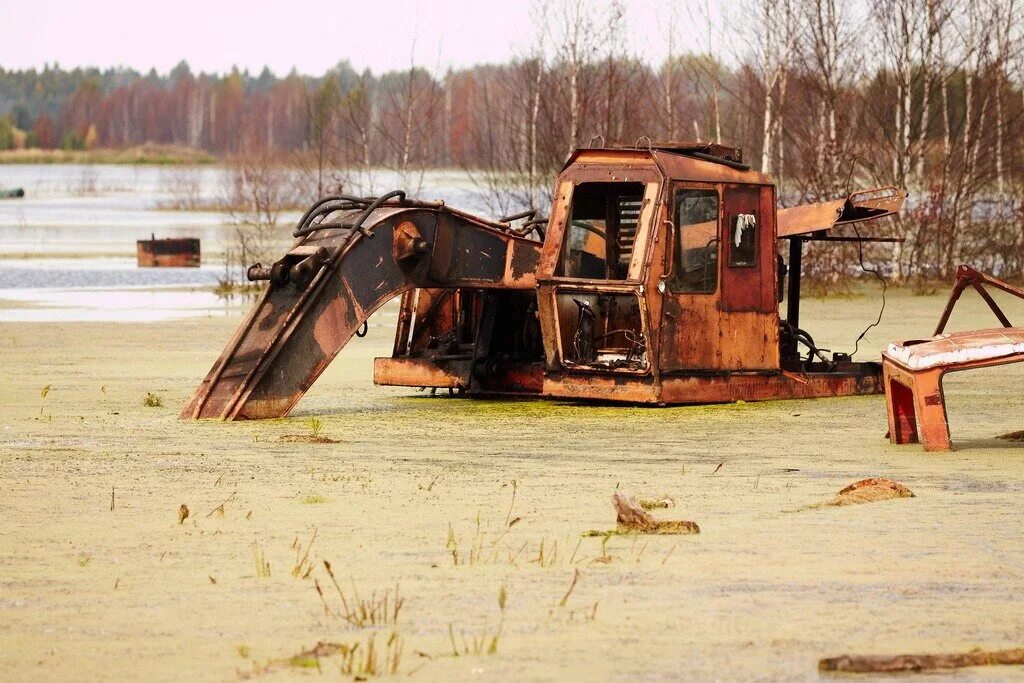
(310, 35)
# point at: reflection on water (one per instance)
(142, 304)
(98, 272)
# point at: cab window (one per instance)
(602, 230)
(696, 251)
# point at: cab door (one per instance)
(719, 311)
(689, 329)
(748, 263)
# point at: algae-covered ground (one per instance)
(475, 511)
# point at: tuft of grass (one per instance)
(361, 611)
(358, 659)
(303, 567)
(482, 643)
(315, 425)
(260, 560)
(314, 499)
(152, 400)
(42, 396)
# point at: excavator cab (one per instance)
(656, 279)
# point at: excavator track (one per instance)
(360, 255)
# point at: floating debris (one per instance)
(869, 490)
(926, 662)
(1016, 437)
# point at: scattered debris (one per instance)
(869, 490)
(182, 513)
(924, 662)
(651, 504)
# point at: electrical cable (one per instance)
(885, 286)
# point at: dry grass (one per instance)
(152, 155)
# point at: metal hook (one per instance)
(643, 137)
(363, 330)
(603, 142)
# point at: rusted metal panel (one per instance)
(171, 252)
(421, 372)
(725, 388)
(681, 167)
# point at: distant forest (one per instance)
(922, 94)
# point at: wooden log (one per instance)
(920, 662)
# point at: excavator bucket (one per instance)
(353, 255)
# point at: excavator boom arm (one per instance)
(333, 279)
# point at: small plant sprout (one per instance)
(316, 426)
(152, 400)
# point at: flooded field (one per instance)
(70, 242)
(454, 503)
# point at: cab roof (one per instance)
(686, 161)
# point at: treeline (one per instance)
(923, 94)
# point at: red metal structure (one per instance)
(914, 369)
(656, 279)
(171, 252)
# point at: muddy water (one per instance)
(90, 592)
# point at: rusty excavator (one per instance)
(657, 279)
